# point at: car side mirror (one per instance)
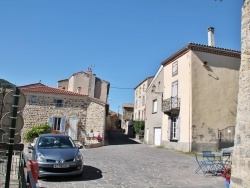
(80, 146)
(31, 147)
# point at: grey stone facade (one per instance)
(241, 156)
(90, 112)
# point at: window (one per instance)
(175, 68)
(174, 128)
(57, 123)
(139, 114)
(174, 94)
(143, 100)
(33, 99)
(78, 90)
(154, 106)
(58, 102)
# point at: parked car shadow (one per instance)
(116, 137)
(89, 173)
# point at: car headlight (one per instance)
(40, 157)
(78, 157)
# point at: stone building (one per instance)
(127, 118)
(85, 115)
(86, 83)
(241, 153)
(113, 120)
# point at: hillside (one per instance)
(6, 84)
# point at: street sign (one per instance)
(16, 147)
(9, 99)
(7, 121)
(6, 138)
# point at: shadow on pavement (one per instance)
(116, 137)
(89, 173)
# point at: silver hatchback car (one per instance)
(57, 155)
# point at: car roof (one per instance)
(54, 135)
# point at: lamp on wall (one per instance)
(157, 92)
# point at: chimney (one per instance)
(210, 36)
(89, 71)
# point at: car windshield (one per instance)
(55, 142)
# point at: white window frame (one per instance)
(175, 68)
(56, 123)
(174, 128)
(154, 106)
(58, 103)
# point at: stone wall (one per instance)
(90, 112)
(241, 157)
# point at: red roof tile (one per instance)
(46, 89)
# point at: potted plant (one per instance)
(67, 124)
(99, 138)
(79, 124)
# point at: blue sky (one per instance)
(125, 40)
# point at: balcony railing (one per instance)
(171, 106)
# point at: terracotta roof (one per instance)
(47, 89)
(202, 48)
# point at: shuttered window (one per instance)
(175, 68)
(174, 128)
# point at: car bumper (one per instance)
(49, 170)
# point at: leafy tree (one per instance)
(139, 127)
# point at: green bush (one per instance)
(36, 131)
(139, 127)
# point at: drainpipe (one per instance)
(190, 101)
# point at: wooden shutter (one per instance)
(178, 128)
(50, 121)
(169, 128)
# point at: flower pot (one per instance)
(67, 125)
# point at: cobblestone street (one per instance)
(126, 163)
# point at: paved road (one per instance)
(128, 164)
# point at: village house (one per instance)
(86, 83)
(78, 115)
(127, 118)
(140, 99)
(154, 114)
(199, 85)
